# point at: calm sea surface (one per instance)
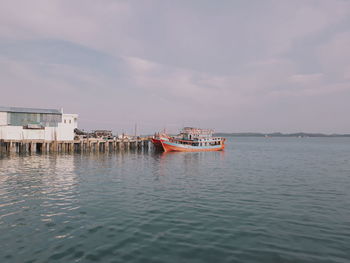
(261, 200)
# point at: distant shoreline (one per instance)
(278, 134)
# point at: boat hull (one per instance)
(177, 147)
(157, 142)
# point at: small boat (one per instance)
(193, 140)
(157, 140)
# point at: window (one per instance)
(44, 119)
(70, 121)
(65, 121)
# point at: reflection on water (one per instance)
(275, 200)
(190, 162)
(41, 185)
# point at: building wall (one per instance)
(11, 132)
(31, 134)
(64, 131)
(70, 120)
(18, 133)
(3, 118)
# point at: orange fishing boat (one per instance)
(193, 140)
(157, 140)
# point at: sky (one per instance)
(235, 66)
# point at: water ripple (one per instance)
(259, 201)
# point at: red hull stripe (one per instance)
(157, 143)
(169, 146)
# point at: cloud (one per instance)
(213, 64)
(334, 55)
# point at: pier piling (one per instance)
(76, 146)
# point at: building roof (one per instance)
(29, 110)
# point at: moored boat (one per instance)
(193, 140)
(157, 140)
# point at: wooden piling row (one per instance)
(76, 146)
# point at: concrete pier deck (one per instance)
(76, 146)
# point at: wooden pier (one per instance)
(76, 146)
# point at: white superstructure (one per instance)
(36, 124)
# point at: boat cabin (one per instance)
(189, 133)
(198, 137)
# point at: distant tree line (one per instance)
(279, 134)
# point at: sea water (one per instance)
(260, 200)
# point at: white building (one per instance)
(36, 124)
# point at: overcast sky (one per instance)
(238, 65)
